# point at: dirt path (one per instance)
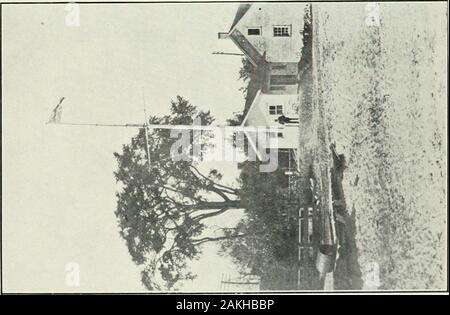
(313, 153)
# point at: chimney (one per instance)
(222, 35)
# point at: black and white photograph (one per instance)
(224, 147)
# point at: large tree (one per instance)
(163, 206)
(269, 222)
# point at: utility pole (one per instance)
(146, 130)
(225, 53)
(56, 120)
(175, 127)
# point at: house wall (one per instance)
(290, 109)
(267, 15)
(259, 116)
(288, 101)
(282, 69)
(289, 139)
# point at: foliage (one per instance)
(270, 237)
(162, 207)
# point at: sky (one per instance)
(58, 190)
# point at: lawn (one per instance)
(382, 88)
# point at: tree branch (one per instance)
(226, 189)
(210, 214)
(219, 238)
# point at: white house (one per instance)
(272, 31)
(271, 36)
(264, 112)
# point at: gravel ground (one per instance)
(383, 89)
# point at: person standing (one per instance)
(286, 120)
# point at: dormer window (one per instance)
(254, 31)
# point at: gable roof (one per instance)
(242, 9)
(258, 83)
(254, 117)
(256, 86)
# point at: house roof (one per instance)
(257, 85)
(242, 9)
(254, 116)
(245, 122)
(258, 82)
(254, 86)
(257, 118)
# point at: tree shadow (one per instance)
(347, 273)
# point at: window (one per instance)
(283, 79)
(276, 109)
(254, 31)
(275, 135)
(278, 67)
(282, 31)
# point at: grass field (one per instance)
(383, 90)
